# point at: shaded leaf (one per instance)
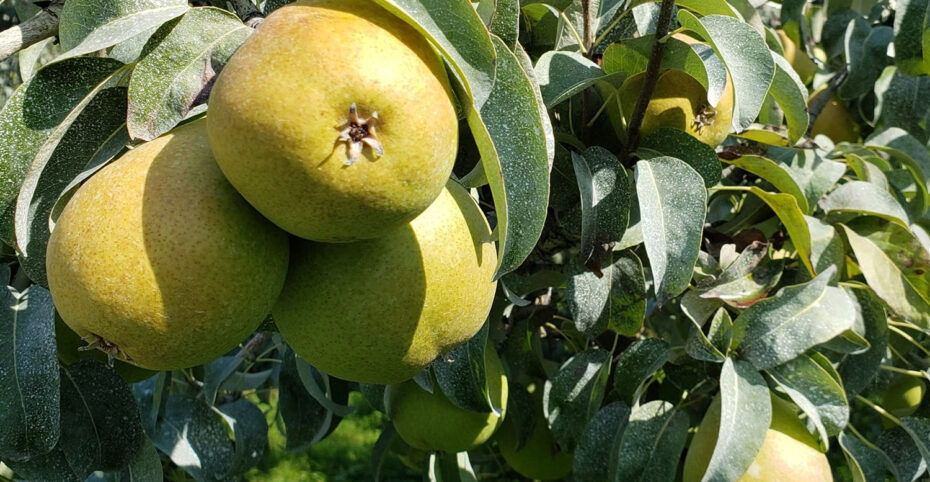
(563, 74)
(857, 371)
(599, 442)
(813, 384)
(615, 301)
(194, 437)
(605, 198)
(866, 463)
(904, 454)
(636, 364)
(676, 143)
(462, 375)
(250, 431)
(573, 395)
(651, 444)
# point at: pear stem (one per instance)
(248, 12)
(652, 75)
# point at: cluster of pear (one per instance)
(317, 190)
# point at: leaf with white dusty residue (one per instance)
(907, 461)
(919, 430)
(857, 371)
(866, 57)
(746, 56)
(86, 26)
(564, 74)
(29, 415)
(745, 410)
(791, 95)
(666, 141)
(636, 364)
(910, 36)
(815, 386)
(651, 444)
(865, 198)
(775, 330)
(903, 148)
(572, 396)
(715, 345)
(615, 301)
(36, 118)
(194, 437)
(250, 431)
(895, 265)
(672, 205)
(773, 172)
(146, 467)
(168, 81)
(512, 141)
(605, 198)
(591, 461)
(813, 173)
(867, 463)
(462, 375)
(827, 247)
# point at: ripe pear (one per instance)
(380, 310)
(159, 261)
(540, 457)
(789, 452)
(802, 64)
(430, 422)
(335, 120)
(904, 395)
(70, 350)
(834, 121)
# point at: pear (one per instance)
(430, 422)
(802, 64)
(157, 260)
(834, 121)
(540, 458)
(379, 311)
(789, 453)
(904, 395)
(335, 120)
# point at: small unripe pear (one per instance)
(430, 422)
(904, 395)
(802, 64)
(159, 261)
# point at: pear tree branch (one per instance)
(651, 76)
(40, 27)
(248, 12)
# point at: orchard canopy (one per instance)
(581, 240)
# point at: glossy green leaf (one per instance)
(813, 384)
(776, 330)
(449, 467)
(512, 142)
(29, 415)
(636, 365)
(615, 301)
(672, 203)
(88, 26)
(32, 135)
(605, 198)
(171, 79)
(651, 444)
(905, 149)
(745, 414)
(865, 198)
(746, 56)
(573, 395)
(676, 143)
(591, 460)
(895, 265)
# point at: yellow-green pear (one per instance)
(429, 421)
(904, 395)
(157, 260)
(540, 458)
(834, 121)
(788, 454)
(380, 310)
(335, 119)
(802, 64)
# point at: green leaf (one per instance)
(88, 26)
(458, 32)
(919, 430)
(306, 422)
(32, 135)
(746, 56)
(773, 172)
(776, 330)
(814, 174)
(747, 279)
(677, 143)
(745, 414)
(787, 210)
(505, 21)
(865, 198)
(563, 74)
(857, 371)
(250, 430)
(904, 454)
(145, 467)
(866, 463)
(215, 373)
(320, 386)
(715, 345)
(512, 141)
(526, 63)
(29, 415)
(172, 78)
(50, 466)
(790, 94)
(615, 301)
(573, 395)
(651, 444)
(462, 376)
(672, 203)
(605, 198)
(902, 101)
(93, 138)
(911, 37)
(379, 453)
(636, 365)
(194, 437)
(827, 247)
(449, 467)
(895, 265)
(866, 57)
(904, 148)
(599, 442)
(100, 424)
(815, 386)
